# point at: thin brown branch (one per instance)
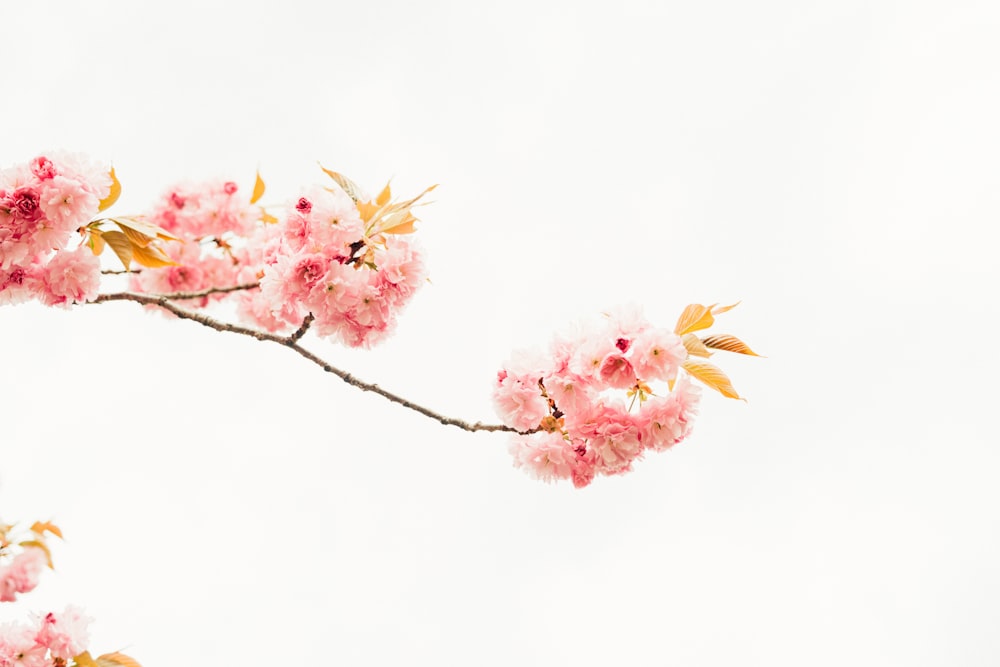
(291, 342)
(180, 296)
(120, 272)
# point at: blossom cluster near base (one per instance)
(609, 392)
(53, 639)
(335, 254)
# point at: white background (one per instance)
(832, 165)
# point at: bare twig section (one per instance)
(301, 331)
(119, 272)
(292, 342)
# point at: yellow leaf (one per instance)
(398, 223)
(84, 660)
(721, 309)
(38, 544)
(269, 219)
(94, 241)
(694, 346)
(368, 210)
(116, 660)
(151, 256)
(728, 343)
(258, 189)
(384, 196)
(41, 527)
(120, 244)
(346, 184)
(143, 227)
(113, 193)
(136, 238)
(712, 376)
(694, 318)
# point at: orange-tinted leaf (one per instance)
(144, 227)
(411, 202)
(384, 196)
(346, 184)
(728, 343)
(717, 310)
(38, 544)
(367, 210)
(136, 238)
(116, 660)
(694, 346)
(694, 318)
(120, 244)
(258, 189)
(710, 375)
(42, 527)
(94, 241)
(84, 660)
(269, 219)
(398, 223)
(151, 256)
(113, 194)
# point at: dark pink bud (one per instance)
(177, 200)
(230, 187)
(304, 206)
(42, 168)
(623, 344)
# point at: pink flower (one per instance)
(616, 371)
(16, 286)
(519, 401)
(70, 276)
(65, 634)
(21, 576)
(25, 204)
(569, 392)
(545, 456)
(657, 354)
(19, 649)
(664, 421)
(42, 168)
(68, 202)
(610, 432)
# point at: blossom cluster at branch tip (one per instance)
(598, 400)
(42, 205)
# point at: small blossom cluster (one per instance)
(589, 407)
(42, 205)
(23, 556)
(21, 574)
(51, 640)
(210, 222)
(323, 260)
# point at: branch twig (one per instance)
(292, 342)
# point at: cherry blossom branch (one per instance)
(292, 342)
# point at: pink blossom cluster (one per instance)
(53, 639)
(22, 573)
(322, 260)
(211, 221)
(42, 205)
(319, 259)
(598, 400)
